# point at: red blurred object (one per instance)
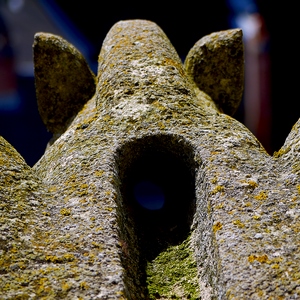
(9, 99)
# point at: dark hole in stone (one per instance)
(159, 193)
(149, 195)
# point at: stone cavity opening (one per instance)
(157, 203)
(149, 194)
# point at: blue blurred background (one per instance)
(269, 107)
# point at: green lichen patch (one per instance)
(173, 274)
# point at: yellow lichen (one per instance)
(66, 287)
(252, 184)
(214, 180)
(262, 258)
(281, 152)
(65, 211)
(238, 223)
(217, 189)
(220, 206)
(83, 285)
(261, 196)
(60, 259)
(99, 173)
(217, 226)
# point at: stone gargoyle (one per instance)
(225, 217)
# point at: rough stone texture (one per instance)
(70, 228)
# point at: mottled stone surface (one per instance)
(71, 228)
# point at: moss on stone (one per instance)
(173, 274)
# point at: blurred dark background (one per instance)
(269, 107)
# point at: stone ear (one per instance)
(64, 82)
(216, 64)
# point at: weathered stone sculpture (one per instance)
(72, 227)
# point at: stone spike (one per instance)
(229, 224)
(64, 82)
(216, 64)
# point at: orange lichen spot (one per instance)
(158, 105)
(220, 206)
(252, 184)
(60, 259)
(296, 276)
(52, 258)
(217, 189)
(65, 211)
(66, 287)
(97, 245)
(217, 226)
(262, 258)
(214, 152)
(68, 257)
(260, 293)
(208, 208)
(275, 266)
(161, 125)
(83, 285)
(298, 188)
(238, 223)
(261, 196)
(53, 189)
(281, 152)
(256, 217)
(106, 118)
(99, 173)
(214, 180)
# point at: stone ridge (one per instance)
(86, 238)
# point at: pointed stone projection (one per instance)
(149, 190)
(216, 65)
(64, 82)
